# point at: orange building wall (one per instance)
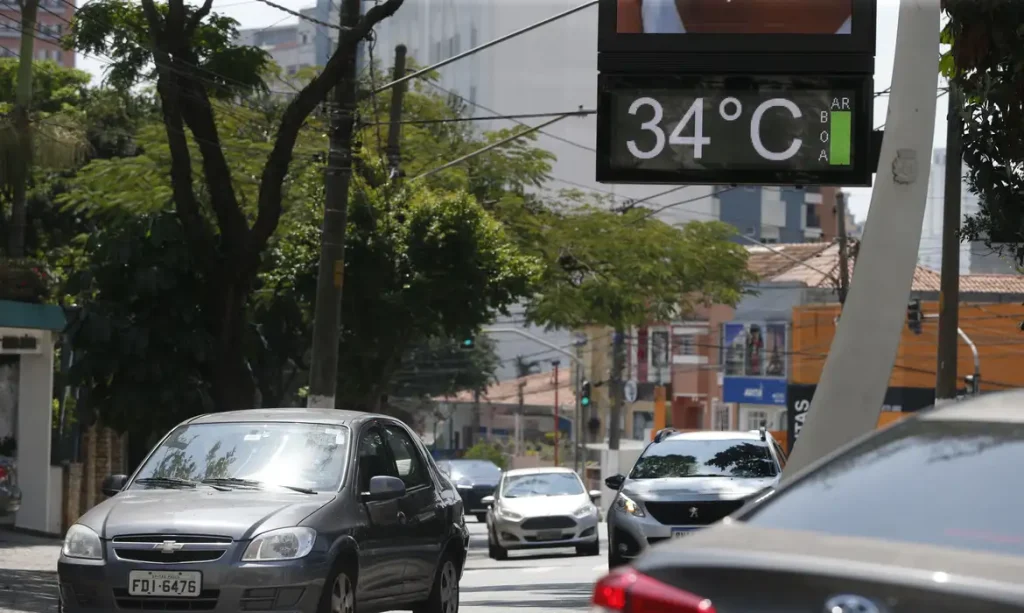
(994, 328)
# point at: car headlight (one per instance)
(509, 515)
(585, 510)
(283, 544)
(83, 543)
(625, 503)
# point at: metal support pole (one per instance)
(949, 282)
(555, 363)
(849, 397)
(977, 359)
(844, 265)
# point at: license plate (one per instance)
(681, 532)
(549, 535)
(176, 584)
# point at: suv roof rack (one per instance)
(763, 431)
(664, 433)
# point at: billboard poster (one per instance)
(781, 26)
(735, 346)
(755, 349)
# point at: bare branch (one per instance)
(199, 15)
(276, 168)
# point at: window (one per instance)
(720, 415)
(747, 459)
(407, 457)
(943, 483)
(374, 460)
(755, 419)
(686, 344)
(541, 484)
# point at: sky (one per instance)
(255, 14)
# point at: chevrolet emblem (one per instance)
(168, 547)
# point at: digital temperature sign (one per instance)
(755, 130)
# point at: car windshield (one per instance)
(674, 459)
(295, 455)
(474, 469)
(921, 481)
(541, 484)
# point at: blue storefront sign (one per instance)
(754, 390)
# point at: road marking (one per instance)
(540, 569)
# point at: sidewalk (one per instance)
(28, 573)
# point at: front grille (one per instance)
(186, 548)
(692, 513)
(537, 539)
(483, 490)
(206, 601)
(176, 557)
(269, 598)
(549, 523)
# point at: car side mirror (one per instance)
(384, 487)
(112, 484)
(487, 500)
(615, 482)
(595, 495)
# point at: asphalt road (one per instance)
(553, 580)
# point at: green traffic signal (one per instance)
(467, 343)
(585, 394)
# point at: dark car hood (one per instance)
(724, 488)
(236, 514)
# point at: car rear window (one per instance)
(741, 458)
(953, 484)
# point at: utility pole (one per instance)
(844, 263)
(395, 118)
(323, 372)
(949, 282)
(22, 130)
(615, 381)
(555, 363)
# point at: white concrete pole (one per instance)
(849, 397)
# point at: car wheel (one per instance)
(593, 549)
(444, 595)
(494, 550)
(481, 517)
(339, 594)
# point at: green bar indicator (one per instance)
(840, 131)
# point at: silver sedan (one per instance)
(540, 508)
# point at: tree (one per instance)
(40, 103)
(987, 64)
(190, 53)
(440, 366)
(629, 269)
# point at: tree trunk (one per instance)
(615, 391)
(233, 387)
(23, 129)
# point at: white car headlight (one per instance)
(585, 510)
(625, 503)
(509, 515)
(283, 544)
(83, 543)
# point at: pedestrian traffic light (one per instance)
(585, 394)
(914, 316)
(468, 343)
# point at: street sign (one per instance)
(629, 391)
(754, 129)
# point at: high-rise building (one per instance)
(975, 257)
(52, 22)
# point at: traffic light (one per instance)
(468, 343)
(914, 316)
(585, 394)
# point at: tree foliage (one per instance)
(987, 64)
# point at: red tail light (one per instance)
(3, 473)
(628, 591)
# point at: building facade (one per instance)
(52, 22)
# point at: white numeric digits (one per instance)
(651, 126)
(697, 141)
(755, 130)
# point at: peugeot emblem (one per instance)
(849, 603)
(693, 512)
(168, 547)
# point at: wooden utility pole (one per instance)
(555, 363)
(949, 281)
(395, 119)
(615, 383)
(22, 130)
(323, 372)
(844, 262)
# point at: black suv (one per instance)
(298, 509)
(475, 480)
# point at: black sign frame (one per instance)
(860, 41)
(858, 174)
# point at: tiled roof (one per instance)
(820, 270)
(766, 262)
(538, 391)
